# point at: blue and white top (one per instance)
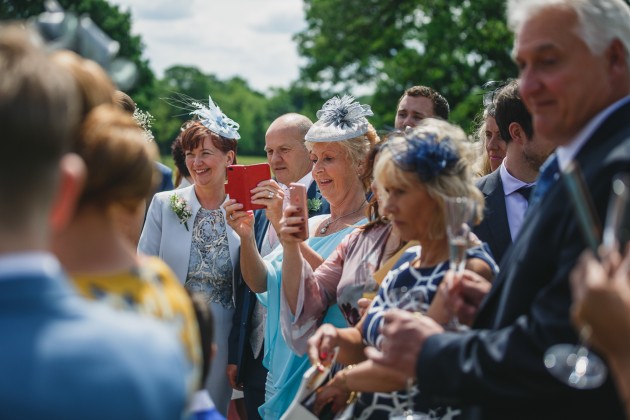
(406, 287)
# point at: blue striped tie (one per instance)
(549, 173)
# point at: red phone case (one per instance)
(242, 179)
(297, 197)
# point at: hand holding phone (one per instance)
(242, 179)
(297, 198)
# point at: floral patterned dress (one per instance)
(210, 274)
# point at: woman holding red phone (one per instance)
(187, 228)
(338, 143)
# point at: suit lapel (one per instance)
(590, 158)
(261, 223)
(498, 223)
(313, 193)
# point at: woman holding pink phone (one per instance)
(338, 144)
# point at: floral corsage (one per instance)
(313, 204)
(181, 208)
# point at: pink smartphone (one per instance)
(297, 198)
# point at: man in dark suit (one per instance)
(61, 356)
(290, 162)
(507, 189)
(575, 80)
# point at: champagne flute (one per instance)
(460, 212)
(410, 299)
(576, 365)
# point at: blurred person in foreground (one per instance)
(144, 119)
(601, 304)
(575, 80)
(62, 356)
(98, 246)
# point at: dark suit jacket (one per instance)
(166, 183)
(494, 228)
(245, 298)
(498, 366)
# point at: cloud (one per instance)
(281, 23)
(158, 9)
(245, 38)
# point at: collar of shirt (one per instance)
(567, 153)
(306, 181)
(510, 184)
(31, 263)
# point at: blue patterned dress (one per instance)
(402, 282)
(210, 274)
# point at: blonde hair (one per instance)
(357, 150)
(453, 181)
(40, 117)
(481, 165)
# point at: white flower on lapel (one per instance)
(181, 208)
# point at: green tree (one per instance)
(234, 96)
(453, 47)
(114, 22)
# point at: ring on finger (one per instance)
(231, 216)
(270, 194)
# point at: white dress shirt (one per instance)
(515, 204)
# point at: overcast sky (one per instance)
(247, 38)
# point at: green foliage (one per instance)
(391, 45)
(375, 47)
(235, 98)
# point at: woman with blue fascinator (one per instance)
(415, 172)
(187, 228)
(339, 143)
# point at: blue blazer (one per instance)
(494, 229)
(63, 357)
(245, 298)
(166, 183)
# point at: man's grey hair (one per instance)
(599, 21)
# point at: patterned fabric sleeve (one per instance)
(425, 279)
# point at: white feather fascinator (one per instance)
(209, 115)
(339, 119)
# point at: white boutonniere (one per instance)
(181, 208)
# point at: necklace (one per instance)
(330, 222)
